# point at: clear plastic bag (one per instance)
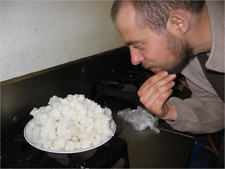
(140, 118)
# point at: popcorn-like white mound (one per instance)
(70, 124)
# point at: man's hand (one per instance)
(154, 93)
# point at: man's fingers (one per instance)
(151, 95)
(151, 81)
(154, 83)
(159, 106)
(156, 90)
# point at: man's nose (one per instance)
(136, 57)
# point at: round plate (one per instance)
(63, 151)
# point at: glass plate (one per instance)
(63, 151)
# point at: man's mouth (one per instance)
(154, 69)
(151, 68)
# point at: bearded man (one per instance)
(170, 37)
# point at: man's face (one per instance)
(155, 52)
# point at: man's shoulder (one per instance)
(216, 15)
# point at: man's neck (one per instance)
(200, 38)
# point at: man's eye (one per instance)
(138, 46)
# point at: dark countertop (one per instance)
(148, 149)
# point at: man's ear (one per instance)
(178, 24)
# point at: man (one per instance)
(169, 37)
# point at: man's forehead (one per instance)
(126, 21)
(129, 28)
(126, 11)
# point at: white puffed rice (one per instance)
(70, 124)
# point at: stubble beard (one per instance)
(180, 52)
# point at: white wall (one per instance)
(40, 34)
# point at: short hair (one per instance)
(155, 14)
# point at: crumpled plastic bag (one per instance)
(140, 118)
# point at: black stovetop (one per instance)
(17, 153)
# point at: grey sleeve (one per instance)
(198, 114)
